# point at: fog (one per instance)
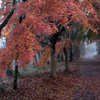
(90, 48)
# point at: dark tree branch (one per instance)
(6, 20)
(5, 13)
(96, 6)
(8, 17)
(60, 31)
(45, 39)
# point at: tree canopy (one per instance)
(43, 18)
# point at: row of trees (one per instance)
(31, 23)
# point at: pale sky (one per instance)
(2, 42)
(0, 3)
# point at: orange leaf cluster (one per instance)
(23, 38)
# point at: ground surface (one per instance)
(82, 84)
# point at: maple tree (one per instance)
(44, 19)
(2, 25)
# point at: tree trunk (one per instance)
(76, 54)
(15, 73)
(62, 58)
(9, 72)
(15, 78)
(66, 61)
(53, 61)
(2, 89)
(53, 41)
(71, 53)
(58, 57)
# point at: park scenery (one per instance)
(49, 50)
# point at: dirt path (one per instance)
(88, 85)
(82, 84)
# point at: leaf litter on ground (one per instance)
(83, 83)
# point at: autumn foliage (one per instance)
(41, 18)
